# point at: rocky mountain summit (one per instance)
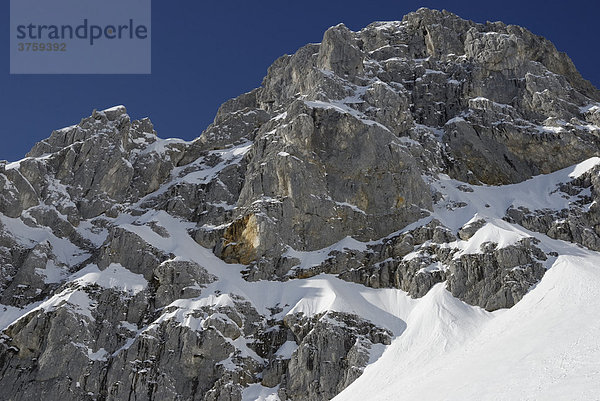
(396, 185)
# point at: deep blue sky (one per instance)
(205, 52)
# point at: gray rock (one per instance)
(330, 356)
(580, 223)
(179, 280)
(497, 278)
(468, 230)
(339, 54)
(343, 138)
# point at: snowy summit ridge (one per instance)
(410, 211)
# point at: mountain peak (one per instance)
(370, 204)
(112, 113)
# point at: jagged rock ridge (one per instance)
(133, 267)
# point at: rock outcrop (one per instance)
(133, 267)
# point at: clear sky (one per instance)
(205, 52)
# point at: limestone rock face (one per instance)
(330, 356)
(339, 52)
(281, 251)
(320, 177)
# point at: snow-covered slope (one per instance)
(547, 347)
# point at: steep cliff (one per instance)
(374, 186)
